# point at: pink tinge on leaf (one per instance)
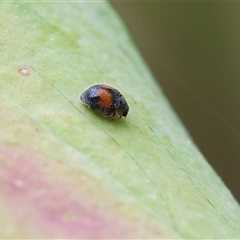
(53, 208)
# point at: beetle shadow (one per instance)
(107, 118)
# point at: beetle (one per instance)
(107, 99)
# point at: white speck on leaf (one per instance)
(19, 183)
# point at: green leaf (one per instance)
(64, 173)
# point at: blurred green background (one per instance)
(193, 49)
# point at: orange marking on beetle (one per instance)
(105, 98)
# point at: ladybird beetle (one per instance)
(106, 99)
